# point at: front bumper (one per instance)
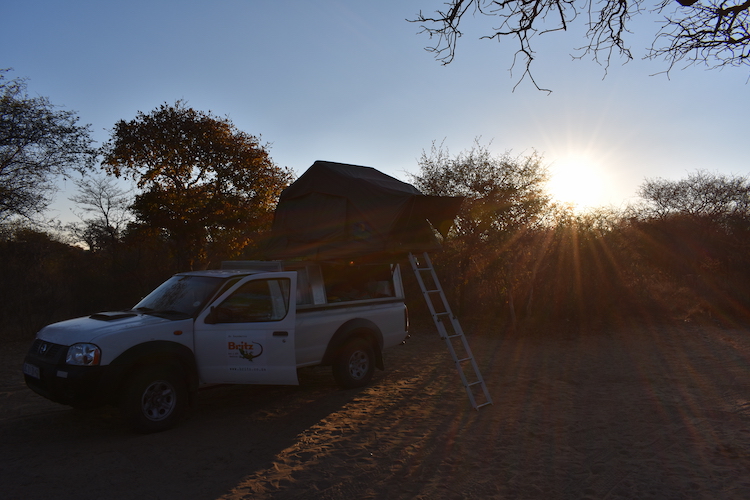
(47, 374)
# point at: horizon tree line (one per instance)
(206, 192)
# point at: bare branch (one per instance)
(714, 32)
(715, 35)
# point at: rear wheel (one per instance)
(154, 399)
(355, 364)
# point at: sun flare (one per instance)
(578, 181)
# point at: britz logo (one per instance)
(247, 350)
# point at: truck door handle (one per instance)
(280, 334)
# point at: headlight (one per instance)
(83, 355)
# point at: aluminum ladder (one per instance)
(450, 331)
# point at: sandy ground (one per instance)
(638, 412)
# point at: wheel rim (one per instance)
(159, 400)
(359, 363)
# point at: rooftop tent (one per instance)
(337, 211)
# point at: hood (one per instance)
(89, 328)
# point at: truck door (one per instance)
(247, 335)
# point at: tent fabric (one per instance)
(337, 211)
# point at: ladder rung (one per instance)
(462, 360)
(483, 404)
(452, 336)
(474, 383)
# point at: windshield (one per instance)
(180, 295)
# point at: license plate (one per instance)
(31, 370)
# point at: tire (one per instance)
(354, 364)
(154, 399)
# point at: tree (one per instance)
(105, 212)
(209, 186)
(504, 193)
(713, 32)
(716, 197)
(37, 143)
(505, 199)
(696, 232)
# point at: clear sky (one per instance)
(350, 81)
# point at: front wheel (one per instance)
(355, 364)
(154, 399)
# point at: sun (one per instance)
(577, 181)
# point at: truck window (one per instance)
(256, 301)
(304, 294)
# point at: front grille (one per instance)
(47, 351)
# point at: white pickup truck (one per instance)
(252, 325)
